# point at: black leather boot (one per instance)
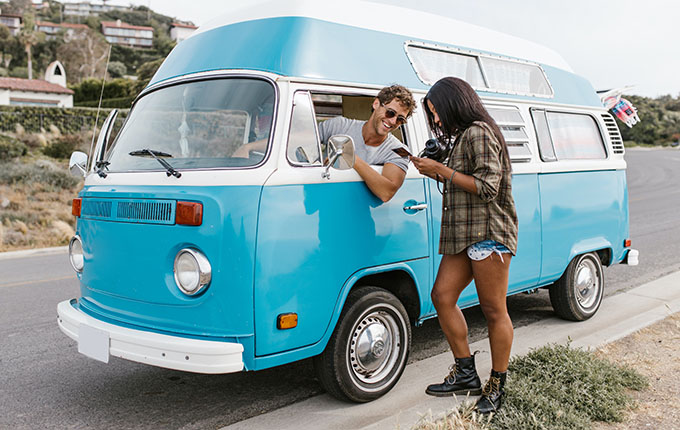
(462, 379)
(492, 394)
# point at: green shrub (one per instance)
(38, 172)
(11, 148)
(557, 387)
(64, 146)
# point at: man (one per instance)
(373, 141)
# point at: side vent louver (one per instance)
(614, 134)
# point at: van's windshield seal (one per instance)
(203, 124)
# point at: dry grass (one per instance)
(462, 418)
(35, 214)
(655, 353)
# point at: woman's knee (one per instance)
(495, 312)
(441, 298)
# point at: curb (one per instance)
(619, 316)
(33, 252)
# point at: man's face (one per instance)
(386, 118)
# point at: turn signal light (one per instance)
(627, 243)
(76, 206)
(286, 321)
(189, 213)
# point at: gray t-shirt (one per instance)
(376, 155)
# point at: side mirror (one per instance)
(340, 154)
(77, 164)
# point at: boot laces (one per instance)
(454, 369)
(493, 385)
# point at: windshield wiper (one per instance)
(170, 171)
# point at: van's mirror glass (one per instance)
(77, 165)
(340, 154)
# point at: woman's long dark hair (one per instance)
(458, 106)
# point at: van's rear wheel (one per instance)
(368, 350)
(577, 295)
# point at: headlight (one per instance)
(192, 271)
(75, 254)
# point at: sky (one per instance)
(611, 43)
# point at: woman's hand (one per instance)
(427, 166)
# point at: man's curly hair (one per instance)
(400, 93)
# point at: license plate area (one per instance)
(93, 343)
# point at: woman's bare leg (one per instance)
(454, 274)
(491, 280)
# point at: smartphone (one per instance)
(402, 152)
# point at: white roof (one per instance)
(397, 20)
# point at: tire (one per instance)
(577, 295)
(368, 350)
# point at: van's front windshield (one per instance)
(197, 125)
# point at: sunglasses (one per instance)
(391, 113)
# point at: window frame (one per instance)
(479, 57)
(545, 112)
(316, 129)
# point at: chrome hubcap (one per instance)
(587, 283)
(375, 347)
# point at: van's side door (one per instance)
(315, 233)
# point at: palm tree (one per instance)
(29, 37)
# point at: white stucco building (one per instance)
(180, 31)
(50, 91)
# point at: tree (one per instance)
(85, 55)
(29, 38)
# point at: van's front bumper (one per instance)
(98, 340)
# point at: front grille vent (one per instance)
(133, 211)
(96, 209)
(614, 133)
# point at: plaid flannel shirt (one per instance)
(469, 218)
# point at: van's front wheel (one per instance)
(578, 293)
(368, 350)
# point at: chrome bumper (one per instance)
(98, 340)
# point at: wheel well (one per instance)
(399, 283)
(605, 256)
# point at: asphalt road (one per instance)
(45, 383)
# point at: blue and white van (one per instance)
(194, 256)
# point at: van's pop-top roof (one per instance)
(376, 44)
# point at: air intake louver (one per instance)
(614, 134)
(135, 211)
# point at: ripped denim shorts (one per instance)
(480, 250)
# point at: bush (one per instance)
(41, 171)
(64, 146)
(557, 387)
(11, 148)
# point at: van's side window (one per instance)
(511, 124)
(575, 136)
(545, 146)
(328, 106)
(303, 143)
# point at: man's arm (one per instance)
(383, 186)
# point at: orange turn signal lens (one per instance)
(286, 321)
(627, 243)
(76, 206)
(189, 213)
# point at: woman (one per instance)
(478, 234)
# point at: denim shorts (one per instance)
(480, 250)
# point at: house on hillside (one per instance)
(180, 31)
(121, 33)
(86, 8)
(51, 91)
(13, 22)
(52, 29)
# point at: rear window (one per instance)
(196, 125)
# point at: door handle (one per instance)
(419, 207)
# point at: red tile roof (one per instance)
(115, 24)
(178, 24)
(33, 85)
